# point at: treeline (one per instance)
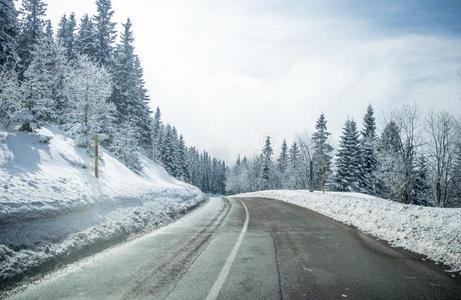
(416, 159)
(82, 80)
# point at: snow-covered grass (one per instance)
(433, 232)
(53, 209)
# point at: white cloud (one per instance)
(227, 73)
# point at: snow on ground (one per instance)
(433, 232)
(53, 209)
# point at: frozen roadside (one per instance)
(432, 232)
(53, 211)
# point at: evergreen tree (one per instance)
(233, 178)
(156, 134)
(322, 151)
(282, 165)
(104, 33)
(294, 170)
(66, 35)
(389, 172)
(143, 112)
(175, 146)
(267, 174)
(348, 159)
(283, 158)
(129, 94)
(9, 31)
(390, 138)
(367, 177)
(125, 146)
(181, 160)
(61, 35)
(39, 81)
(193, 166)
(85, 42)
(49, 32)
(32, 24)
(10, 97)
(421, 189)
(167, 151)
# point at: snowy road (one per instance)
(284, 252)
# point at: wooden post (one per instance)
(324, 169)
(311, 175)
(96, 156)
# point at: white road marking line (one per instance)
(214, 292)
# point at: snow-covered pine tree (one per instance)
(125, 80)
(49, 35)
(105, 32)
(367, 177)
(215, 169)
(125, 146)
(39, 81)
(10, 97)
(66, 35)
(244, 175)
(175, 146)
(348, 159)
(232, 179)
(389, 173)
(90, 113)
(282, 164)
(193, 165)
(85, 42)
(221, 178)
(9, 31)
(156, 135)
(205, 166)
(167, 151)
(294, 171)
(32, 23)
(255, 167)
(182, 161)
(143, 112)
(420, 192)
(129, 94)
(322, 151)
(62, 29)
(267, 176)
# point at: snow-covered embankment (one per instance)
(433, 232)
(53, 210)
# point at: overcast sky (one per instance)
(227, 73)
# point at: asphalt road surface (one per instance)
(249, 249)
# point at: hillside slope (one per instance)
(53, 210)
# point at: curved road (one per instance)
(249, 249)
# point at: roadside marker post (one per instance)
(324, 167)
(96, 156)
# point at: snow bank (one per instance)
(53, 210)
(433, 232)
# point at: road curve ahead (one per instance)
(249, 249)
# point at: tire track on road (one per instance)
(160, 280)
